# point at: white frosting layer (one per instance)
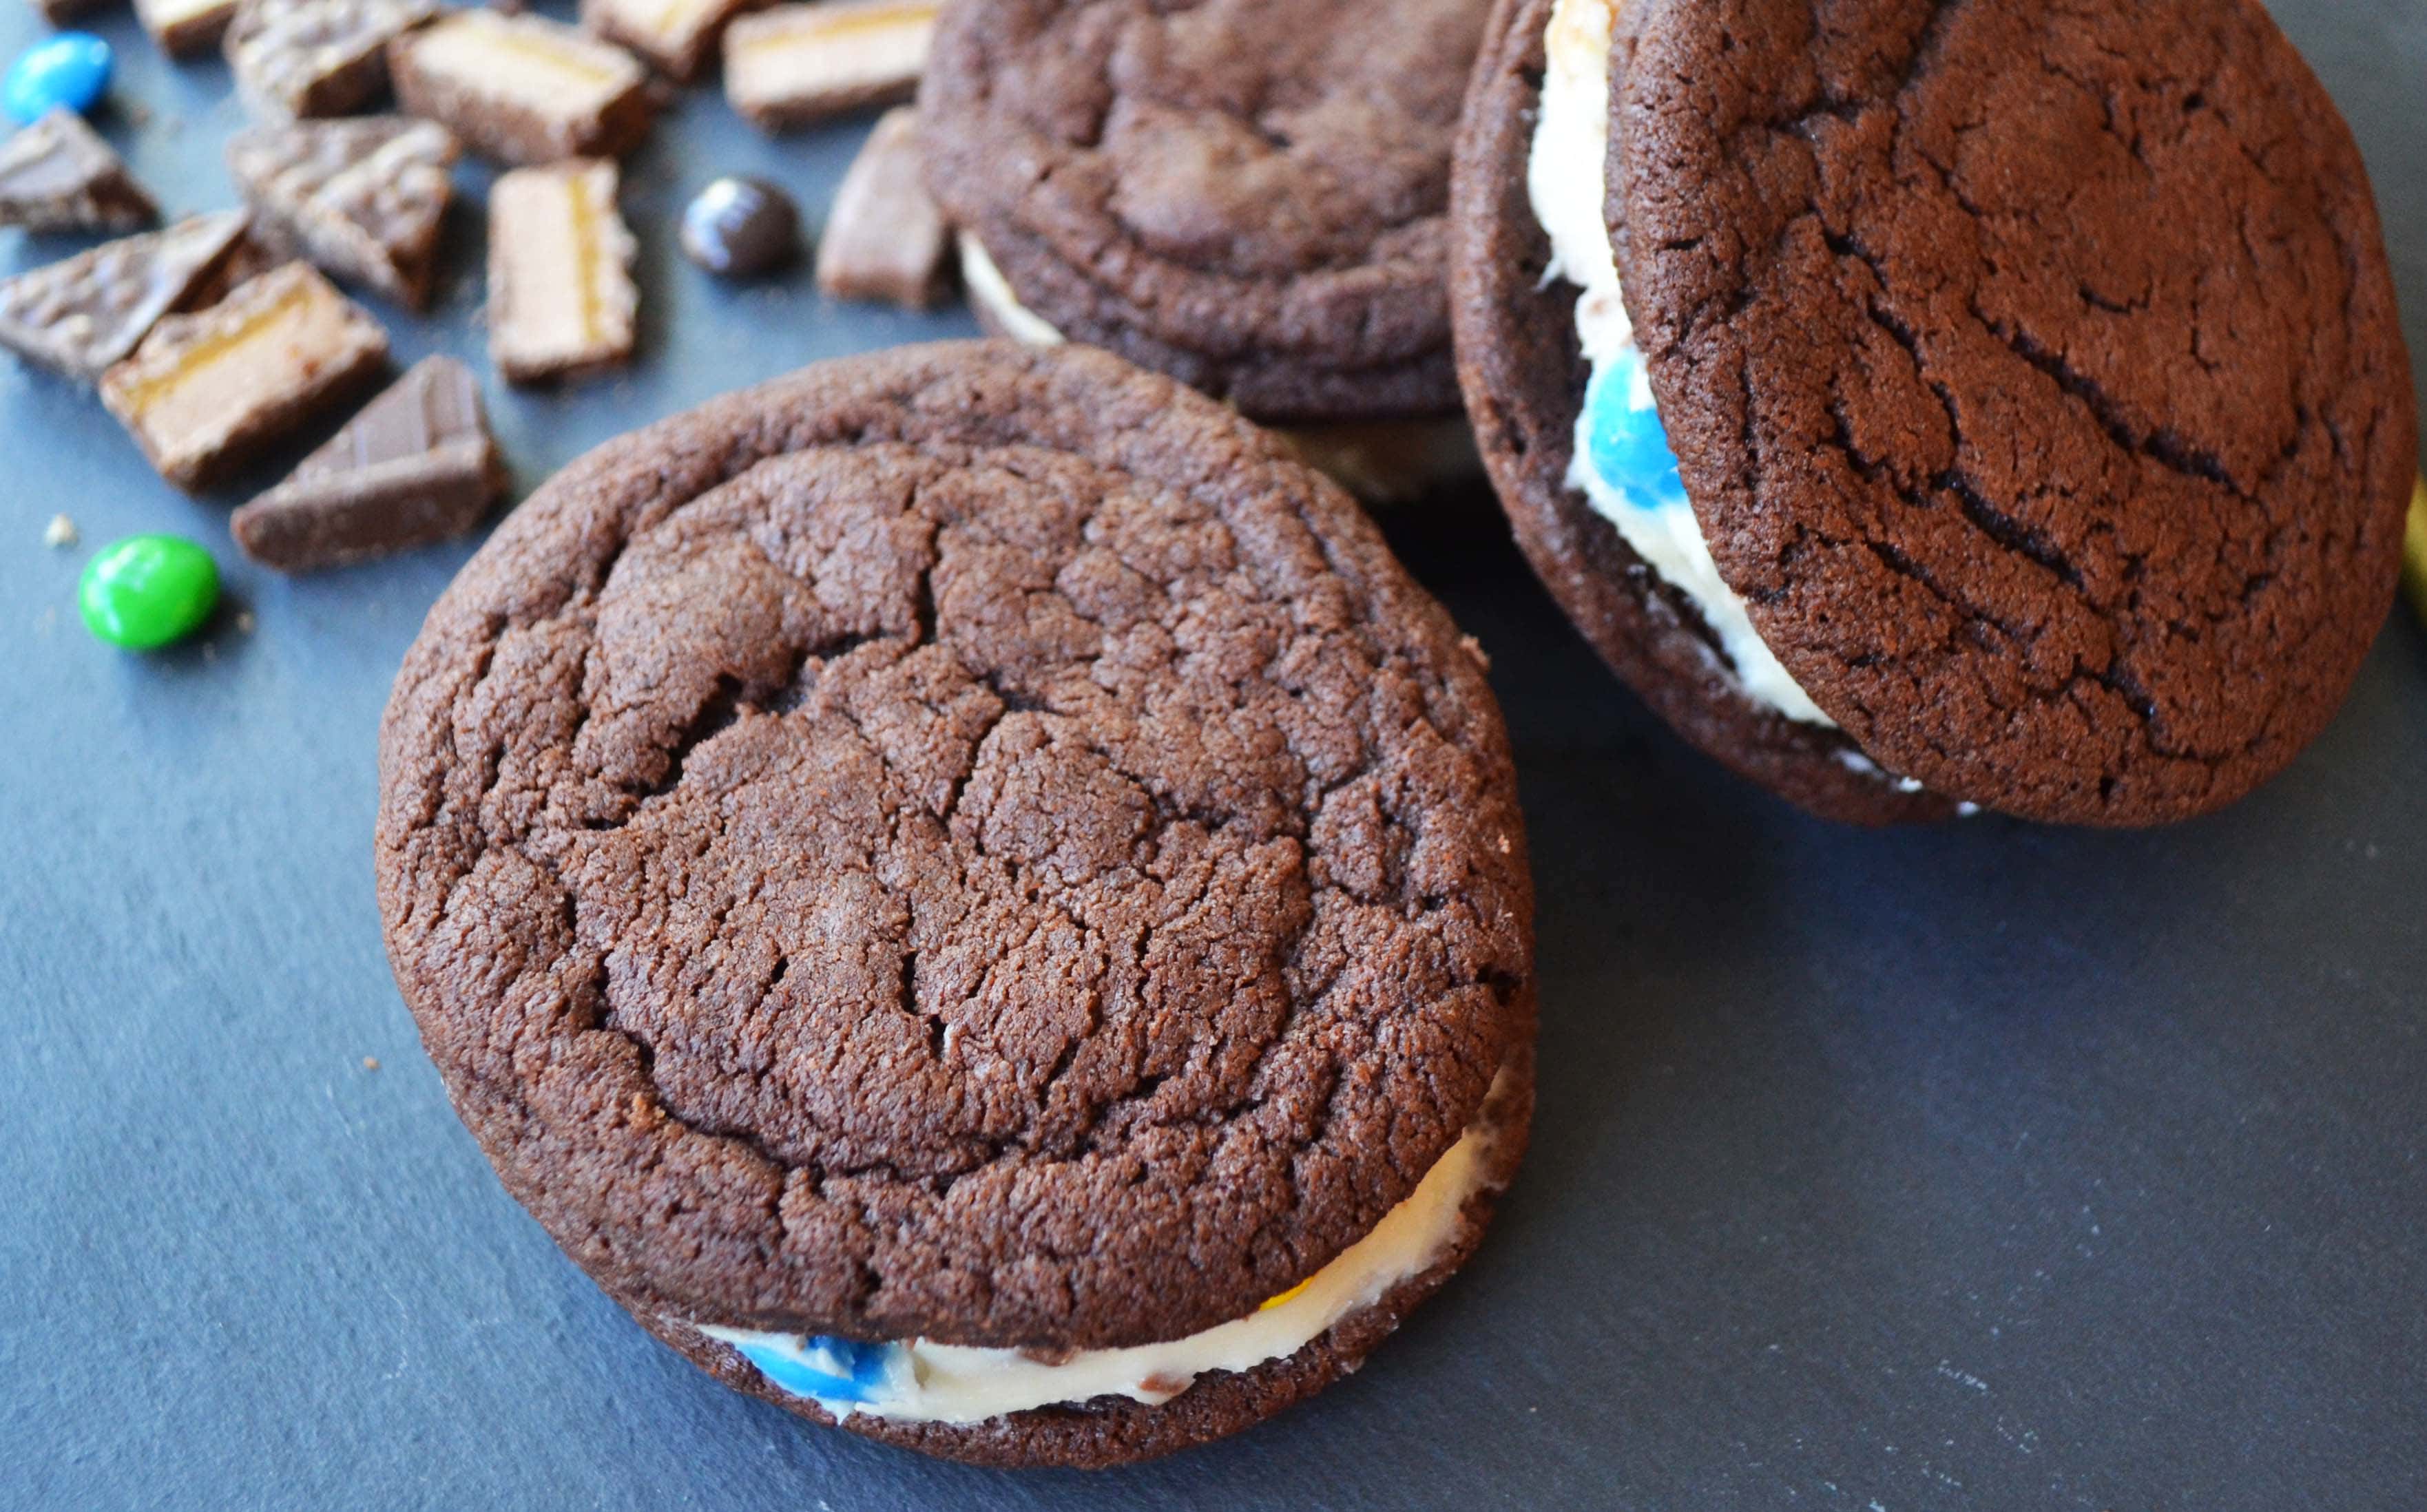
(1379, 461)
(929, 1382)
(1565, 178)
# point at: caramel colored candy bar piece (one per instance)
(82, 315)
(362, 199)
(58, 174)
(799, 63)
(184, 28)
(205, 392)
(417, 465)
(523, 88)
(884, 238)
(561, 301)
(317, 57)
(678, 36)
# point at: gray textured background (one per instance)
(1978, 1167)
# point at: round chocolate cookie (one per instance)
(970, 851)
(2032, 369)
(1250, 195)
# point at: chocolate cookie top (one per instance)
(962, 842)
(2035, 374)
(1250, 195)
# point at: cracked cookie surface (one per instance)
(2035, 373)
(1250, 195)
(945, 843)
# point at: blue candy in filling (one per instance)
(831, 1370)
(1629, 449)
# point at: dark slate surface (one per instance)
(1981, 1167)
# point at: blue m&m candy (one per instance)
(831, 1370)
(1628, 445)
(71, 69)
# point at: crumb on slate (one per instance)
(370, 1063)
(60, 533)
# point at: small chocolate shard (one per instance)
(677, 36)
(82, 315)
(418, 465)
(58, 174)
(362, 198)
(186, 28)
(801, 63)
(205, 392)
(60, 13)
(523, 88)
(741, 228)
(299, 58)
(562, 300)
(884, 238)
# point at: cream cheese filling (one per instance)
(1378, 460)
(1565, 178)
(921, 1380)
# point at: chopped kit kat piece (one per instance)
(58, 174)
(362, 199)
(82, 315)
(205, 392)
(800, 63)
(417, 465)
(884, 238)
(562, 300)
(523, 88)
(184, 28)
(317, 57)
(678, 36)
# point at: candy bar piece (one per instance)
(800, 63)
(317, 57)
(205, 392)
(82, 315)
(678, 36)
(58, 174)
(186, 28)
(884, 238)
(363, 198)
(523, 88)
(417, 465)
(562, 300)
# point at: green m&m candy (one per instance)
(148, 591)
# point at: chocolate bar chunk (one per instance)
(677, 36)
(60, 12)
(82, 315)
(800, 63)
(523, 88)
(317, 57)
(362, 199)
(884, 238)
(184, 28)
(205, 392)
(561, 301)
(417, 465)
(58, 174)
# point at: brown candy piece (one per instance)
(799, 63)
(884, 238)
(84, 314)
(317, 57)
(362, 199)
(740, 227)
(417, 465)
(58, 174)
(678, 36)
(205, 392)
(523, 88)
(184, 28)
(60, 12)
(562, 300)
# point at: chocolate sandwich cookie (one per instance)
(968, 891)
(1994, 406)
(1250, 195)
